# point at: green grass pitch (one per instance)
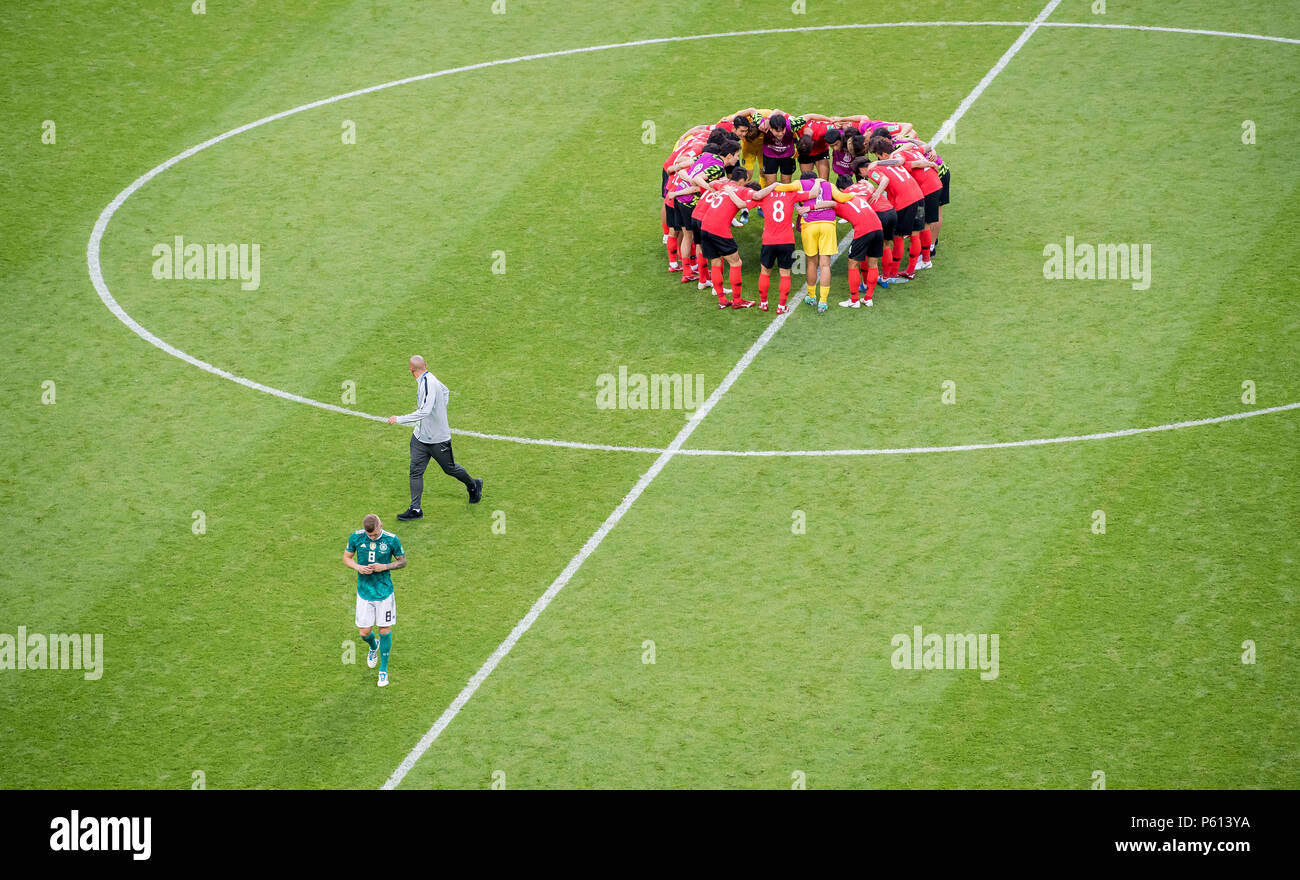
(1122, 653)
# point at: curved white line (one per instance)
(105, 296)
(968, 447)
(1168, 30)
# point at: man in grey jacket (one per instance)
(431, 438)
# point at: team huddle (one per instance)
(874, 175)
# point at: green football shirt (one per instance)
(377, 585)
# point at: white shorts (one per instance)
(378, 613)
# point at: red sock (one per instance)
(734, 278)
(701, 264)
(855, 278)
(898, 250)
(926, 240)
(764, 281)
(872, 274)
(717, 283)
(913, 252)
(785, 288)
(672, 249)
(664, 224)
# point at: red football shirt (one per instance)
(903, 189)
(817, 129)
(779, 214)
(704, 204)
(858, 212)
(722, 210)
(880, 204)
(679, 153)
(927, 178)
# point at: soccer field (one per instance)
(1096, 478)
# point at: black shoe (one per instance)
(410, 513)
(476, 492)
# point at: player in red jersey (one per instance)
(873, 185)
(934, 200)
(907, 198)
(719, 155)
(681, 158)
(923, 172)
(676, 184)
(716, 237)
(778, 241)
(810, 142)
(728, 177)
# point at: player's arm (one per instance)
(682, 163)
(839, 195)
(737, 200)
(816, 117)
(892, 160)
(760, 194)
(700, 180)
(686, 191)
(418, 415)
(788, 187)
(921, 163)
(350, 561)
(398, 562)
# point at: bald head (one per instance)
(416, 365)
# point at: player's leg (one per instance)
(420, 454)
(808, 237)
(386, 618)
(785, 262)
(447, 461)
(385, 648)
(686, 247)
(888, 219)
(903, 227)
(927, 232)
(824, 166)
(875, 248)
(365, 619)
(824, 265)
(855, 280)
(766, 259)
(787, 169)
(914, 241)
(701, 258)
(734, 276)
(673, 238)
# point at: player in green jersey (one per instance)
(373, 553)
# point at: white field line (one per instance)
(101, 224)
(969, 447)
(450, 713)
(1169, 30)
